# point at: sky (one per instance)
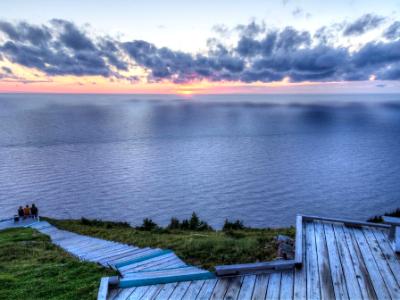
(184, 47)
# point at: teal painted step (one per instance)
(142, 258)
(164, 276)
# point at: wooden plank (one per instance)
(388, 253)
(122, 294)
(369, 261)
(324, 271)
(382, 264)
(391, 220)
(260, 287)
(335, 264)
(233, 290)
(287, 284)
(134, 254)
(103, 289)
(152, 292)
(251, 268)
(148, 263)
(343, 221)
(364, 280)
(274, 286)
(246, 291)
(299, 241)
(313, 284)
(171, 275)
(193, 290)
(180, 290)
(300, 280)
(166, 291)
(206, 289)
(220, 289)
(343, 252)
(138, 292)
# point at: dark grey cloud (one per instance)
(393, 31)
(260, 54)
(59, 49)
(363, 24)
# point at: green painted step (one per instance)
(164, 276)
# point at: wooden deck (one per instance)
(339, 261)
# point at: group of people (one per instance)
(28, 212)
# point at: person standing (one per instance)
(34, 211)
(20, 212)
(27, 211)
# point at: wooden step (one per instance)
(145, 256)
(186, 273)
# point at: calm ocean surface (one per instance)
(261, 159)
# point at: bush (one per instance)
(148, 225)
(174, 224)
(107, 224)
(194, 224)
(379, 219)
(237, 225)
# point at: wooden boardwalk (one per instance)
(339, 262)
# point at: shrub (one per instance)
(237, 225)
(194, 223)
(107, 224)
(174, 224)
(148, 225)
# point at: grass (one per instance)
(206, 248)
(31, 267)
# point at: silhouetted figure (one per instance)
(27, 211)
(34, 211)
(20, 212)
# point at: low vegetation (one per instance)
(31, 267)
(193, 240)
(379, 219)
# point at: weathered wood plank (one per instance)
(166, 291)
(274, 286)
(300, 280)
(299, 241)
(382, 264)
(287, 285)
(152, 292)
(122, 294)
(260, 287)
(351, 279)
(220, 289)
(335, 264)
(343, 221)
(325, 277)
(206, 289)
(233, 288)
(313, 284)
(138, 292)
(180, 290)
(103, 289)
(193, 290)
(387, 251)
(246, 291)
(369, 261)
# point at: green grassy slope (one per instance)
(31, 267)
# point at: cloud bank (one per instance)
(260, 54)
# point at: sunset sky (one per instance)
(186, 47)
